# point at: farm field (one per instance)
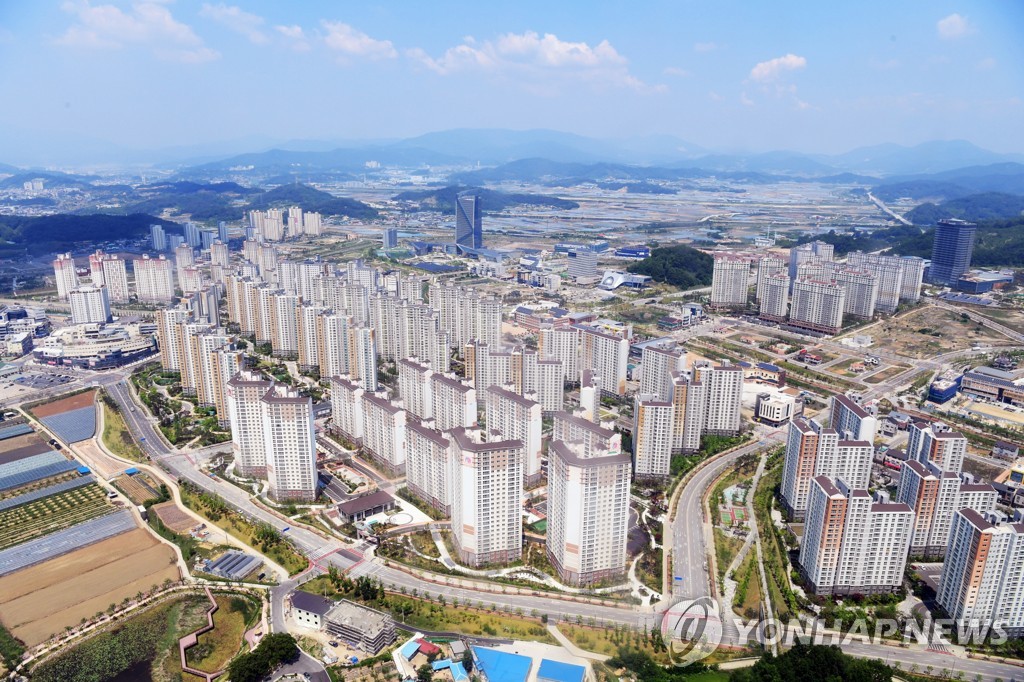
(40, 601)
(74, 402)
(174, 517)
(41, 483)
(51, 514)
(138, 488)
(930, 331)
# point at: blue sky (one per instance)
(808, 76)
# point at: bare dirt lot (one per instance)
(931, 331)
(41, 601)
(173, 517)
(65, 405)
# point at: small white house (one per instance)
(309, 609)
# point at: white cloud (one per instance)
(746, 101)
(295, 37)
(236, 19)
(353, 43)
(773, 68)
(532, 54)
(954, 26)
(715, 97)
(675, 71)
(986, 64)
(147, 23)
(705, 47)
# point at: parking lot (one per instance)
(39, 382)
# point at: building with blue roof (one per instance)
(409, 649)
(498, 666)
(555, 671)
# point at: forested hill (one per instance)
(681, 266)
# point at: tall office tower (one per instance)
(468, 224)
(981, 581)
(312, 224)
(426, 464)
(192, 236)
(723, 388)
(775, 297)
(861, 287)
(307, 324)
(64, 274)
(951, 251)
(588, 513)
(561, 344)
(245, 390)
(414, 388)
(168, 335)
(289, 439)
(608, 356)
(817, 305)
(284, 330)
(154, 279)
(115, 278)
(454, 403)
(811, 451)
(363, 357)
(913, 276)
(543, 377)
(658, 363)
(928, 444)
(190, 280)
(347, 408)
(515, 417)
(729, 281)
(653, 420)
(486, 479)
(595, 438)
(852, 421)
(768, 266)
(222, 231)
(853, 544)
(390, 240)
(89, 304)
(582, 265)
(590, 395)
(294, 221)
(689, 404)
(384, 433)
(157, 238)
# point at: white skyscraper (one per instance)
(244, 393)
(154, 279)
(774, 297)
(561, 343)
(658, 362)
(608, 356)
(290, 444)
(653, 420)
(426, 464)
(729, 280)
(347, 408)
(817, 305)
(514, 417)
(454, 402)
(861, 291)
(384, 433)
(768, 266)
(64, 274)
(588, 512)
(89, 304)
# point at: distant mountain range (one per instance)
(299, 159)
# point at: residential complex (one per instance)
(730, 279)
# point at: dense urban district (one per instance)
(510, 424)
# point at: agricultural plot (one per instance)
(51, 514)
(138, 488)
(38, 485)
(39, 602)
(173, 517)
(63, 541)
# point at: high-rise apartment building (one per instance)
(588, 512)
(157, 238)
(486, 479)
(981, 583)
(861, 291)
(468, 223)
(723, 388)
(658, 363)
(913, 275)
(244, 392)
(89, 304)
(110, 271)
(607, 355)
(767, 266)
(851, 420)
(414, 388)
(816, 251)
(347, 408)
(729, 280)
(774, 297)
(653, 423)
(154, 279)
(65, 275)
(454, 402)
(595, 438)
(289, 440)
(930, 444)
(384, 433)
(813, 451)
(853, 544)
(562, 344)
(168, 335)
(426, 464)
(817, 305)
(515, 417)
(952, 249)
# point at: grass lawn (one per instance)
(608, 641)
(727, 546)
(116, 436)
(424, 544)
(217, 647)
(748, 591)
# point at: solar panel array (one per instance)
(64, 541)
(16, 430)
(19, 500)
(45, 471)
(73, 425)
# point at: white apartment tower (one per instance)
(861, 292)
(851, 420)
(347, 408)
(486, 479)
(65, 275)
(723, 388)
(608, 356)
(154, 279)
(561, 343)
(588, 512)
(653, 422)
(775, 297)
(244, 392)
(454, 403)
(515, 417)
(89, 304)
(767, 266)
(414, 388)
(290, 444)
(384, 433)
(658, 363)
(729, 281)
(426, 464)
(817, 305)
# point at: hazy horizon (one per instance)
(804, 77)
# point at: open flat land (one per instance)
(931, 331)
(174, 517)
(41, 601)
(65, 405)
